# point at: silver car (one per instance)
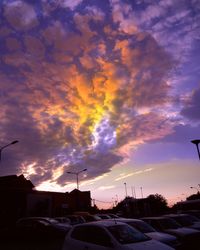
(186, 220)
(151, 232)
(109, 235)
(188, 237)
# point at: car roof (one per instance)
(154, 218)
(103, 223)
(176, 215)
(127, 219)
(34, 218)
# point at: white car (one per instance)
(109, 235)
(188, 237)
(45, 223)
(186, 220)
(151, 232)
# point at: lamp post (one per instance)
(125, 189)
(117, 198)
(1, 149)
(77, 173)
(141, 192)
(196, 142)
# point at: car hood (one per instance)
(63, 226)
(196, 225)
(147, 245)
(161, 236)
(182, 231)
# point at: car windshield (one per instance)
(142, 226)
(169, 224)
(62, 220)
(53, 221)
(102, 216)
(193, 218)
(125, 234)
(113, 216)
(184, 220)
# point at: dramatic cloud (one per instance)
(20, 15)
(82, 84)
(192, 109)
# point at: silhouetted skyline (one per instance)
(109, 86)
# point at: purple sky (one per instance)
(108, 85)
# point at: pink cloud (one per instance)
(20, 15)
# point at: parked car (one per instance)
(103, 216)
(87, 216)
(188, 237)
(38, 232)
(186, 220)
(63, 220)
(114, 216)
(193, 212)
(108, 234)
(151, 232)
(75, 219)
(31, 226)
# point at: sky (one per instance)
(112, 86)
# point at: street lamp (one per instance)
(77, 173)
(125, 188)
(1, 149)
(141, 192)
(196, 142)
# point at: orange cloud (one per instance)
(80, 87)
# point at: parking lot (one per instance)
(100, 232)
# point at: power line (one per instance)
(103, 201)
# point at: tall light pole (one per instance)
(125, 189)
(77, 173)
(141, 192)
(196, 142)
(1, 149)
(117, 198)
(133, 192)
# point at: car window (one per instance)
(31, 224)
(24, 223)
(81, 219)
(125, 234)
(53, 221)
(192, 218)
(155, 224)
(169, 223)
(183, 220)
(92, 234)
(142, 226)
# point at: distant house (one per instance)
(11, 182)
(188, 204)
(19, 198)
(13, 193)
(44, 203)
(131, 207)
(79, 200)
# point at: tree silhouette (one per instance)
(194, 196)
(158, 204)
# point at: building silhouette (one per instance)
(19, 198)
